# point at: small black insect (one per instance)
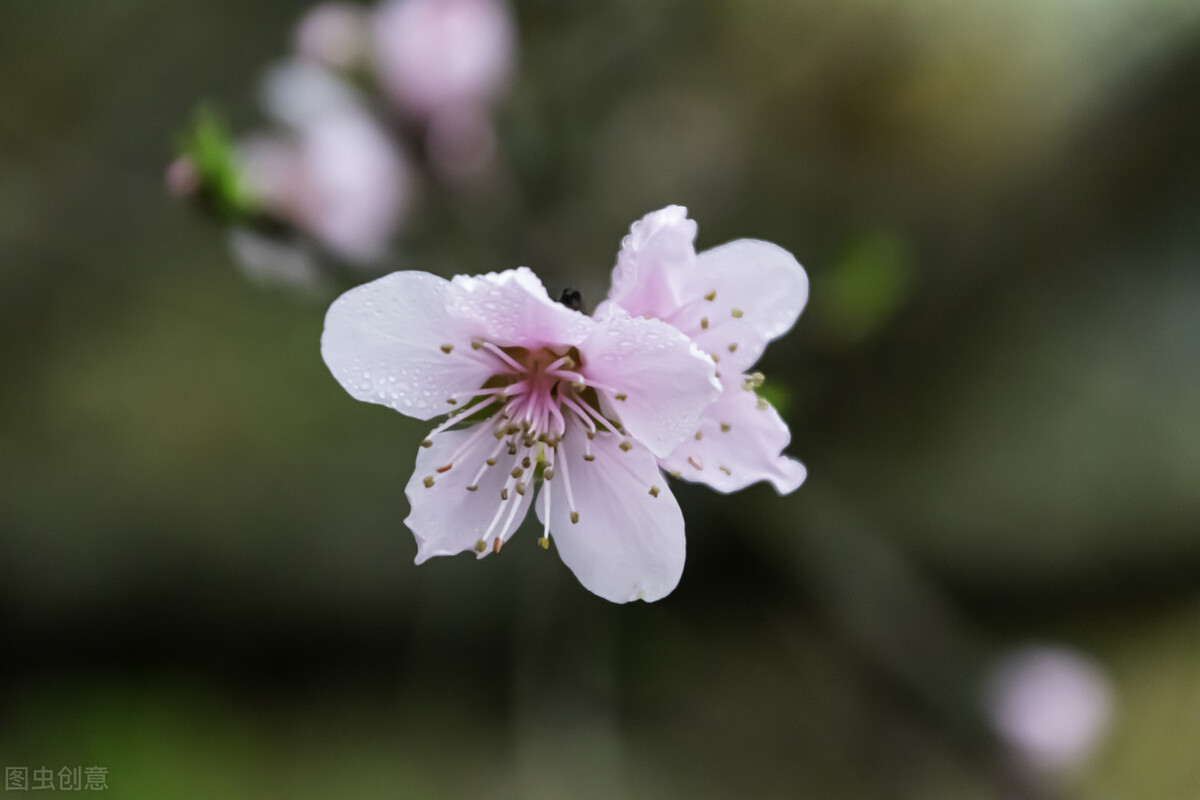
(572, 299)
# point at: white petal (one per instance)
(758, 292)
(513, 309)
(740, 444)
(446, 518)
(653, 263)
(383, 342)
(666, 380)
(628, 543)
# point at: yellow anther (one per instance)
(504, 494)
(588, 457)
(520, 487)
(574, 517)
(517, 472)
(476, 344)
(716, 358)
(626, 446)
(446, 348)
(726, 427)
(472, 488)
(548, 475)
(491, 462)
(451, 401)
(724, 469)
(654, 491)
(674, 473)
(621, 396)
(427, 443)
(762, 404)
(428, 481)
(480, 546)
(525, 462)
(711, 295)
(591, 435)
(736, 312)
(699, 435)
(704, 323)
(733, 347)
(544, 543)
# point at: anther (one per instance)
(511, 429)
(480, 546)
(712, 295)
(517, 472)
(762, 404)
(472, 488)
(726, 427)
(733, 347)
(568, 363)
(446, 348)
(574, 517)
(704, 323)
(699, 435)
(520, 487)
(525, 462)
(497, 543)
(451, 401)
(544, 542)
(736, 312)
(621, 396)
(428, 481)
(498, 433)
(589, 457)
(591, 435)
(626, 446)
(674, 473)
(579, 386)
(654, 491)
(476, 344)
(695, 462)
(445, 468)
(724, 469)
(504, 494)
(427, 443)
(548, 475)
(756, 379)
(512, 449)
(491, 462)
(716, 358)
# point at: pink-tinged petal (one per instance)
(757, 291)
(628, 543)
(740, 443)
(513, 309)
(653, 264)
(446, 518)
(385, 342)
(658, 381)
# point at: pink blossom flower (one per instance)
(436, 55)
(731, 301)
(333, 34)
(537, 392)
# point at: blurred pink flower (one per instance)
(338, 175)
(334, 35)
(438, 55)
(1051, 705)
(731, 301)
(536, 391)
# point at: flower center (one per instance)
(526, 405)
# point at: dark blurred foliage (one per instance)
(205, 582)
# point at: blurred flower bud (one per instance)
(182, 178)
(439, 54)
(1051, 705)
(333, 35)
(298, 93)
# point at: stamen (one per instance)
(716, 358)
(674, 473)
(736, 312)
(473, 488)
(574, 517)
(517, 472)
(446, 348)
(504, 493)
(711, 295)
(451, 401)
(588, 457)
(428, 481)
(704, 323)
(724, 469)
(726, 427)
(733, 347)
(699, 435)
(566, 474)
(520, 487)
(427, 443)
(695, 462)
(544, 542)
(626, 446)
(621, 396)
(446, 468)
(497, 544)
(503, 356)
(480, 546)
(762, 404)
(654, 491)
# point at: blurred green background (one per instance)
(205, 582)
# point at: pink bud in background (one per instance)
(1051, 705)
(182, 179)
(333, 35)
(435, 55)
